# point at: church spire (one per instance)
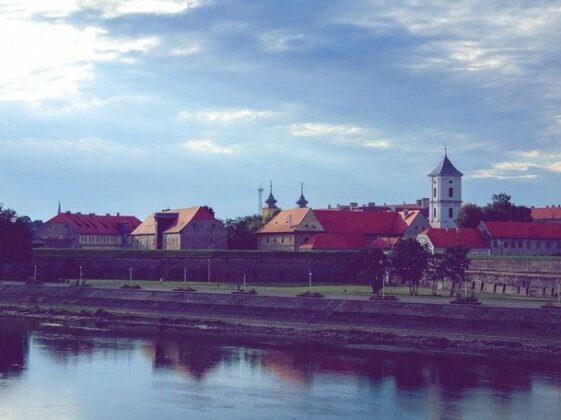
(302, 202)
(59, 210)
(271, 201)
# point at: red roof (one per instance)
(546, 213)
(384, 243)
(526, 230)
(447, 238)
(92, 224)
(336, 241)
(182, 218)
(361, 222)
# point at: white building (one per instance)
(445, 194)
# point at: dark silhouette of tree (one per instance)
(457, 264)
(409, 260)
(372, 267)
(15, 237)
(242, 231)
(469, 216)
(502, 210)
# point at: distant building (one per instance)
(336, 229)
(189, 228)
(522, 238)
(446, 194)
(87, 231)
(549, 214)
(439, 240)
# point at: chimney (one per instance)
(405, 213)
(79, 213)
(329, 206)
(118, 214)
(108, 214)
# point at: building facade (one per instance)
(439, 240)
(87, 231)
(522, 238)
(445, 194)
(188, 228)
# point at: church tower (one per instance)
(302, 202)
(445, 194)
(271, 202)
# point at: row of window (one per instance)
(450, 212)
(527, 244)
(450, 192)
(97, 239)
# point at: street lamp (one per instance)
(208, 270)
(81, 274)
(34, 274)
(130, 276)
(244, 289)
(184, 275)
(310, 276)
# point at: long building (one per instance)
(87, 231)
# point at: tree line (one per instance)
(500, 209)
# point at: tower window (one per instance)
(450, 212)
(434, 213)
(434, 192)
(450, 192)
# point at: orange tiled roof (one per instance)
(287, 221)
(546, 213)
(184, 217)
(361, 222)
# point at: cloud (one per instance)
(227, 115)
(554, 167)
(377, 144)
(324, 130)
(108, 8)
(282, 41)
(206, 146)
(82, 148)
(185, 51)
(55, 60)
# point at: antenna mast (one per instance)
(260, 191)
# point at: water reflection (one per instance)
(307, 379)
(14, 349)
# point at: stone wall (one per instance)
(528, 322)
(532, 276)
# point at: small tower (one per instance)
(302, 202)
(271, 203)
(59, 210)
(445, 194)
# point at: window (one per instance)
(512, 244)
(520, 244)
(506, 244)
(495, 243)
(450, 212)
(547, 244)
(450, 192)
(434, 213)
(434, 192)
(538, 244)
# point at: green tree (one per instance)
(372, 267)
(242, 231)
(437, 270)
(409, 261)
(15, 237)
(469, 216)
(501, 209)
(457, 264)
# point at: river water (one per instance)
(55, 372)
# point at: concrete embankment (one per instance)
(525, 329)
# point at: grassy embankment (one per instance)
(292, 289)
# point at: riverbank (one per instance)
(444, 326)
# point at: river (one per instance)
(58, 372)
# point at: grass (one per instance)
(292, 289)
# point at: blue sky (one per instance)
(133, 106)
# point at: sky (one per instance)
(133, 106)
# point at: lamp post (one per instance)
(244, 283)
(558, 294)
(184, 275)
(208, 270)
(81, 274)
(34, 274)
(310, 276)
(130, 276)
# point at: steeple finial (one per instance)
(302, 202)
(59, 210)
